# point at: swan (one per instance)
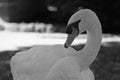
(60, 62)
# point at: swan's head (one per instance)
(73, 29)
(79, 22)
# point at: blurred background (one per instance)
(58, 12)
(29, 19)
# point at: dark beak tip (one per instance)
(65, 46)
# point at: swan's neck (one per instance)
(93, 41)
(90, 51)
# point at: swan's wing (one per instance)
(65, 69)
(36, 61)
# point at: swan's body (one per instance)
(37, 61)
(60, 63)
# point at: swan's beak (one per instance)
(72, 30)
(71, 37)
(69, 40)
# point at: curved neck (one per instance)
(91, 49)
(94, 37)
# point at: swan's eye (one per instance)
(70, 27)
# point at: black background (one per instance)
(108, 11)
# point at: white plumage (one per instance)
(47, 62)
